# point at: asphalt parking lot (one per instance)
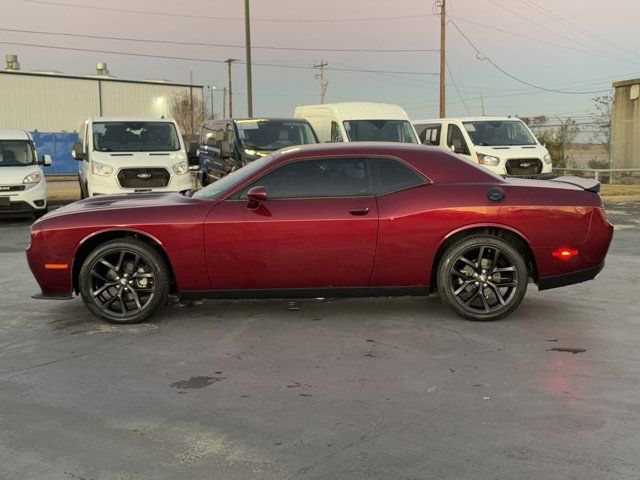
(353, 389)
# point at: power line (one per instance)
(457, 89)
(221, 45)
(206, 60)
(480, 56)
(539, 40)
(209, 17)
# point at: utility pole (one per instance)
(320, 76)
(229, 61)
(247, 46)
(211, 90)
(191, 100)
(482, 103)
(224, 102)
(443, 58)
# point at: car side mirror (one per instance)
(46, 160)
(256, 195)
(192, 153)
(77, 152)
(225, 149)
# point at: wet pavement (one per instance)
(354, 389)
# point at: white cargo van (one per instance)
(504, 145)
(131, 155)
(358, 122)
(23, 188)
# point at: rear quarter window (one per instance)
(394, 175)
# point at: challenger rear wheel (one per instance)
(482, 278)
(124, 281)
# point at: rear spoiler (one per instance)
(588, 184)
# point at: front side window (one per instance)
(395, 176)
(135, 137)
(429, 134)
(499, 133)
(213, 135)
(16, 153)
(269, 135)
(332, 177)
(456, 141)
(380, 131)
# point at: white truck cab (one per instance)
(23, 188)
(131, 155)
(504, 145)
(358, 122)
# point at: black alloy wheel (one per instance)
(482, 278)
(124, 281)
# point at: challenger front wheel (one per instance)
(124, 281)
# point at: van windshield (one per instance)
(16, 153)
(135, 137)
(270, 135)
(380, 131)
(499, 133)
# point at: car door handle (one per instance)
(359, 211)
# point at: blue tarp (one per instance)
(59, 146)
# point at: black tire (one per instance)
(83, 194)
(477, 285)
(205, 179)
(124, 281)
(40, 213)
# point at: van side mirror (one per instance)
(46, 160)
(192, 153)
(77, 152)
(225, 149)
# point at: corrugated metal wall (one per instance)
(54, 104)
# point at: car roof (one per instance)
(464, 119)
(8, 134)
(359, 110)
(257, 119)
(130, 119)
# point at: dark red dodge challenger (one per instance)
(360, 219)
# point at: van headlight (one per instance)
(101, 169)
(33, 178)
(489, 160)
(181, 168)
(546, 158)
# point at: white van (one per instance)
(131, 155)
(23, 188)
(358, 122)
(504, 145)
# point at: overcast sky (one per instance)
(570, 45)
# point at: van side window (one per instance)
(456, 141)
(429, 134)
(212, 136)
(336, 136)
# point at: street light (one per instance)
(211, 89)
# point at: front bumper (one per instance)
(32, 200)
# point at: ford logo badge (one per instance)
(522, 165)
(144, 175)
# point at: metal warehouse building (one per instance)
(52, 105)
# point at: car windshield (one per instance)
(380, 131)
(232, 180)
(16, 153)
(135, 137)
(499, 133)
(270, 135)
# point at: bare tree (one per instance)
(189, 112)
(604, 106)
(555, 137)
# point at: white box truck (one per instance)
(358, 122)
(131, 155)
(504, 145)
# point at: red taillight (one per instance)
(565, 253)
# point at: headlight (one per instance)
(101, 169)
(546, 158)
(181, 168)
(488, 160)
(34, 178)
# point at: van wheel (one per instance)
(482, 278)
(124, 281)
(83, 195)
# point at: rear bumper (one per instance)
(570, 278)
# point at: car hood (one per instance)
(15, 175)
(514, 151)
(116, 202)
(138, 159)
